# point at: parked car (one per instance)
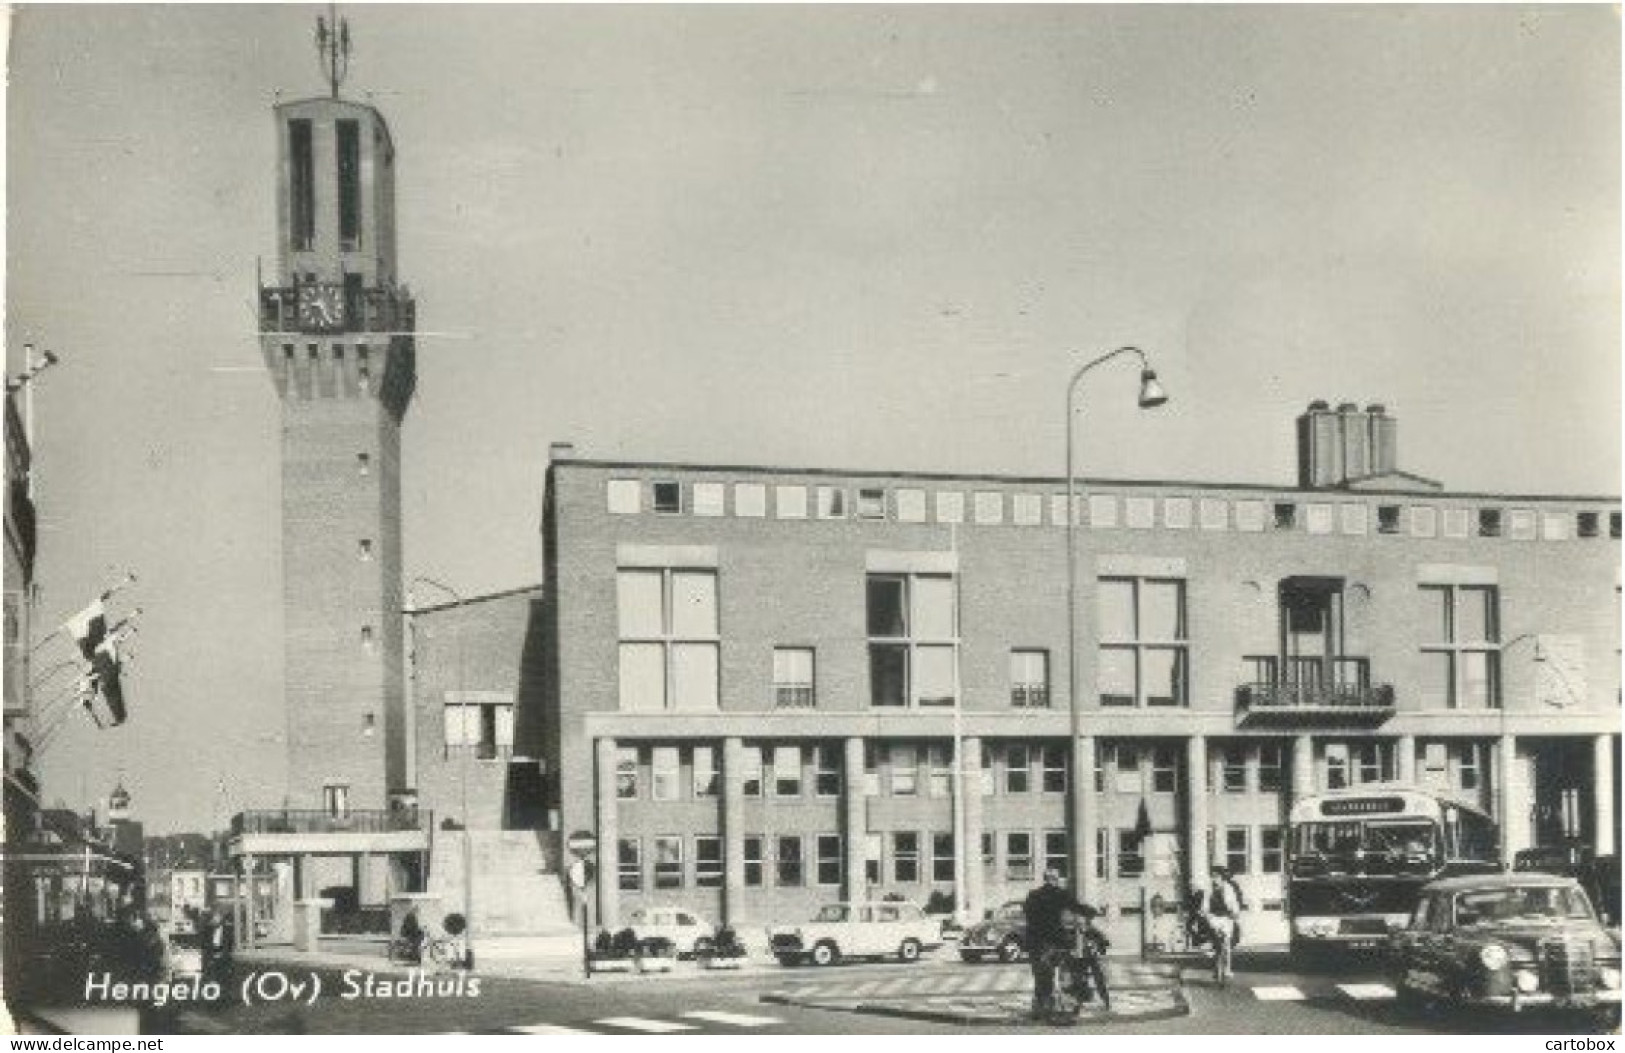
(185, 955)
(1002, 934)
(1598, 875)
(1510, 940)
(857, 930)
(681, 926)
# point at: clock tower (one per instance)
(336, 330)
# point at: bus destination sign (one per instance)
(1363, 806)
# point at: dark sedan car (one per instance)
(1002, 935)
(1508, 940)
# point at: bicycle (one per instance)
(1080, 976)
(438, 950)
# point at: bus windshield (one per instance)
(1401, 837)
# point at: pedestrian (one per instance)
(1045, 910)
(218, 945)
(1223, 914)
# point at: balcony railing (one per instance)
(1351, 700)
(479, 751)
(793, 696)
(1030, 696)
(317, 821)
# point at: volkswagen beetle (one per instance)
(1003, 934)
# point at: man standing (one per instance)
(1045, 908)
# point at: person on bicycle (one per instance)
(1045, 910)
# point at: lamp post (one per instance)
(462, 768)
(1151, 395)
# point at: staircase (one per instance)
(518, 890)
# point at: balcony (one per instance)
(793, 696)
(1320, 691)
(318, 821)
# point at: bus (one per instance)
(1356, 860)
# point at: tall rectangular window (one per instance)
(707, 782)
(1164, 769)
(668, 862)
(349, 173)
(1236, 858)
(1018, 855)
(750, 781)
(939, 760)
(905, 857)
(1018, 769)
(1130, 861)
(913, 641)
(829, 859)
(753, 861)
(301, 186)
(873, 845)
(708, 862)
(1234, 769)
(1271, 767)
(1143, 642)
(942, 858)
(629, 864)
(1470, 765)
(789, 858)
(793, 677)
(1269, 850)
(905, 770)
(1056, 852)
(669, 639)
(664, 776)
(1054, 758)
(827, 774)
(1029, 679)
(787, 771)
(626, 773)
(1462, 654)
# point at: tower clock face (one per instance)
(321, 307)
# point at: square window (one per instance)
(989, 507)
(1102, 511)
(1387, 519)
(871, 504)
(625, 496)
(950, 507)
(910, 506)
(1139, 513)
(1353, 518)
(1176, 513)
(1027, 509)
(750, 500)
(790, 502)
(1057, 510)
(1250, 516)
(668, 497)
(1424, 521)
(1585, 524)
(831, 502)
(1489, 522)
(1213, 513)
(1318, 519)
(1286, 515)
(1520, 524)
(1554, 526)
(708, 498)
(1456, 522)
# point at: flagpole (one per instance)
(961, 849)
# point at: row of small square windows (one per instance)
(625, 497)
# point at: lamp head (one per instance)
(1151, 392)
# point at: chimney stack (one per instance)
(1354, 432)
(1320, 460)
(1336, 446)
(1384, 440)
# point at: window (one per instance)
(1130, 862)
(1234, 769)
(871, 770)
(750, 782)
(1164, 769)
(1142, 653)
(950, 507)
(905, 857)
(363, 463)
(1126, 760)
(789, 857)
(706, 779)
(708, 499)
(668, 497)
(1489, 522)
(942, 858)
(1373, 762)
(787, 771)
(483, 728)
(910, 506)
(1018, 762)
(1337, 767)
(1613, 525)
(988, 507)
(1470, 766)
(1056, 852)
(301, 186)
(336, 799)
(829, 859)
(872, 847)
(790, 502)
(939, 765)
(349, 184)
(1102, 852)
(1387, 519)
(1271, 767)
(753, 861)
(707, 862)
(793, 677)
(1018, 856)
(1463, 658)
(367, 639)
(1269, 850)
(668, 862)
(871, 504)
(364, 549)
(912, 640)
(750, 500)
(668, 632)
(990, 854)
(626, 773)
(1054, 761)
(1286, 515)
(629, 864)
(827, 773)
(1029, 679)
(831, 502)
(1236, 855)
(905, 771)
(664, 773)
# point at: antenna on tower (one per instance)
(333, 45)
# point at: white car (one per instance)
(681, 926)
(857, 930)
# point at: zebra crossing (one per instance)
(691, 1021)
(1359, 992)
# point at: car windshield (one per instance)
(1539, 903)
(833, 912)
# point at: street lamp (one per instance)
(462, 716)
(1151, 396)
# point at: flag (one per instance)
(89, 627)
(1142, 824)
(105, 669)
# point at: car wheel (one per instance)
(1011, 950)
(826, 953)
(970, 956)
(909, 951)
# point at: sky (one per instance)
(874, 237)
